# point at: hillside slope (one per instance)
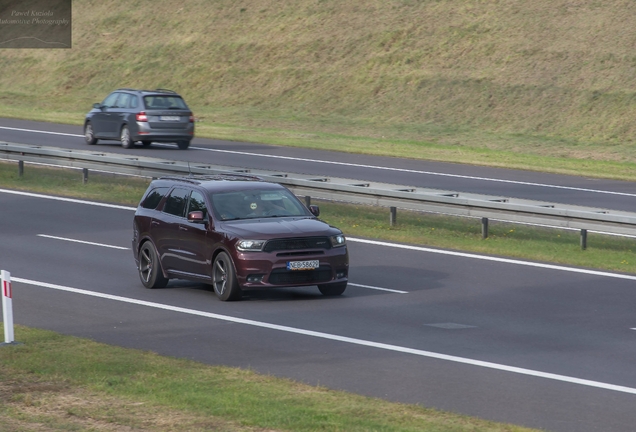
(548, 77)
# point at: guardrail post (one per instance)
(7, 306)
(85, 175)
(583, 239)
(393, 216)
(307, 200)
(20, 168)
(484, 228)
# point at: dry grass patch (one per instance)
(35, 405)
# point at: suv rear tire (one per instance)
(183, 145)
(150, 271)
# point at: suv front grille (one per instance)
(297, 243)
(286, 277)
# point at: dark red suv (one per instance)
(235, 232)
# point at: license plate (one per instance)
(169, 118)
(303, 265)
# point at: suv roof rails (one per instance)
(162, 90)
(198, 179)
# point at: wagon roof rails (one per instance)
(158, 90)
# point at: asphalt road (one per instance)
(540, 346)
(607, 194)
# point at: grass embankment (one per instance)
(544, 85)
(51, 382)
(512, 240)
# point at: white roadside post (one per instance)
(7, 306)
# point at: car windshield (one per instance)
(251, 204)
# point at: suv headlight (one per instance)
(250, 245)
(338, 240)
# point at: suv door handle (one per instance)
(182, 228)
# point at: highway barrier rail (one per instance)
(347, 190)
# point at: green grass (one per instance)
(60, 383)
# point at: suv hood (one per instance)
(275, 227)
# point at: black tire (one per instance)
(89, 134)
(333, 289)
(146, 143)
(224, 278)
(124, 137)
(183, 145)
(150, 271)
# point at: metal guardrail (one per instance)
(348, 190)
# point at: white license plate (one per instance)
(169, 118)
(303, 265)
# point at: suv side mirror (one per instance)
(97, 105)
(314, 210)
(196, 217)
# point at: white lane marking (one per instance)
(82, 241)
(378, 288)
(496, 259)
(384, 168)
(334, 337)
(378, 243)
(77, 201)
(40, 131)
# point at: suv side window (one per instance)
(176, 203)
(197, 203)
(110, 100)
(154, 197)
(134, 101)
